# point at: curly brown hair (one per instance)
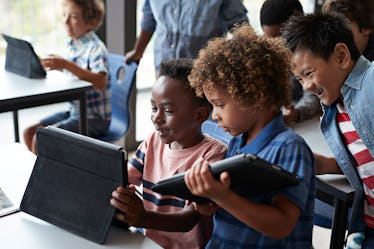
(254, 70)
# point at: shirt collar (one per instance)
(272, 129)
(354, 79)
(83, 39)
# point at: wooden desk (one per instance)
(332, 189)
(18, 92)
(22, 231)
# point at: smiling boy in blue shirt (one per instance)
(328, 64)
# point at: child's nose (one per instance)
(156, 118)
(215, 115)
(308, 85)
(66, 19)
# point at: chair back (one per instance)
(122, 80)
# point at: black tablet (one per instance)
(249, 174)
(72, 182)
(21, 58)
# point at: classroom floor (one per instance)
(321, 236)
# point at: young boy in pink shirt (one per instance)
(176, 143)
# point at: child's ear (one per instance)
(342, 55)
(92, 24)
(203, 113)
(366, 31)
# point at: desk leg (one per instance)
(15, 124)
(83, 114)
(339, 224)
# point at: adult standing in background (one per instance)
(183, 27)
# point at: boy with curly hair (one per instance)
(86, 58)
(328, 64)
(176, 143)
(246, 79)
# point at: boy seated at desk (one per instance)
(328, 64)
(86, 58)
(176, 143)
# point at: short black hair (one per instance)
(179, 69)
(319, 33)
(278, 11)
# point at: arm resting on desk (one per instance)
(326, 165)
(54, 62)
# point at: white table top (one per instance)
(16, 86)
(22, 231)
(310, 131)
(15, 170)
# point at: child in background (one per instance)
(246, 79)
(273, 14)
(87, 59)
(328, 64)
(176, 143)
(361, 16)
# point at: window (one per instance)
(37, 21)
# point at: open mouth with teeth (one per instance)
(319, 92)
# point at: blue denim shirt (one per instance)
(357, 92)
(182, 27)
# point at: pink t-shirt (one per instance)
(154, 161)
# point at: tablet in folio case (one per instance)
(21, 58)
(72, 181)
(249, 174)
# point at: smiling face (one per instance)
(75, 24)
(175, 114)
(318, 76)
